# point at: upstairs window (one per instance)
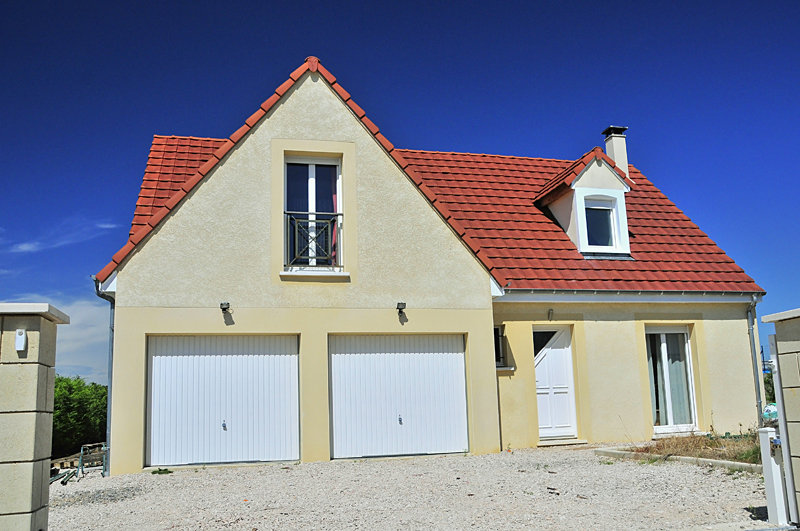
(313, 215)
(602, 222)
(599, 223)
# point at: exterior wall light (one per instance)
(225, 307)
(400, 307)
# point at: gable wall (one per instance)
(598, 175)
(219, 244)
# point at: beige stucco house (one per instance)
(304, 291)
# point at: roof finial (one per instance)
(313, 63)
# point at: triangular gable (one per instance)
(311, 64)
(556, 187)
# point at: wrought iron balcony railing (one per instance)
(312, 239)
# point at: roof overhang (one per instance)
(648, 297)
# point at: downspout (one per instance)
(751, 317)
(111, 300)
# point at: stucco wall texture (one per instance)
(610, 363)
(223, 242)
(216, 246)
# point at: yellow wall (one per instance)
(225, 241)
(610, 367)
(225, 244)
(133, 325)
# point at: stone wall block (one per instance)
(794, 436)
(790, 373)
(25, 436)
(41, 344)
(25, 387)
(18, 493)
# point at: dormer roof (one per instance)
(558, 184)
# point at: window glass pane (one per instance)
(679, 379)
(325, 177)
(498, 347)
(658, 399)
(297, 187)
(540, 340)
(598, 227)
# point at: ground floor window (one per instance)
(671, 390)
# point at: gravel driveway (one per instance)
(553, 488)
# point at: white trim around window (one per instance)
(603, 199)
(669, 374)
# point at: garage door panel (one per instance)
(398, 395)
(199, 382)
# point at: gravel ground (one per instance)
(553, 488)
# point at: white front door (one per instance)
(398, 395)
(555, 393)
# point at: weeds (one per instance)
(162, 471)
(742, 447)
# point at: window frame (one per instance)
(612, 200)
(662, 331)
(312, 162)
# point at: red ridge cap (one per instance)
(235, 137)
(327, 75)
(104, 273)
(122, 253)
(313, 63)
(140, 234)
(285, 86)
(299, 72)
(272, 100)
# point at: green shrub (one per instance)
(769, 388)
(79, 415)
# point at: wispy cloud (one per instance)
(69, 231)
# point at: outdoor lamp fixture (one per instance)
(400, 307)
(225, 307)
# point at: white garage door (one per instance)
(398, 395)
(222, 399)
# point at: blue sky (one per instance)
(709, 92)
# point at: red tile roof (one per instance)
(492, 197)
(488, 200)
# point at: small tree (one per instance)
(79, 415)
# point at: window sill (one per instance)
(608, 255)
(506, 369)
(310, 275)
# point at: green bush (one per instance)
(79, 415)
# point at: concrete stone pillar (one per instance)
(27, 377)
(787, 346)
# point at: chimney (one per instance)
(615, 146)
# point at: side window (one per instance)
(499, 350)
(313, 215)
(671, 388)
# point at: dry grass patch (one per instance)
(742, 448)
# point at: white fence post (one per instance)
(773, 479)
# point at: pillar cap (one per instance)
(42, 309)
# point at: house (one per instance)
(303, 290)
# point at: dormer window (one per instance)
(602, 222)
(599, 223)
(588, 201)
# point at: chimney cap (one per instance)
(614, 130)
